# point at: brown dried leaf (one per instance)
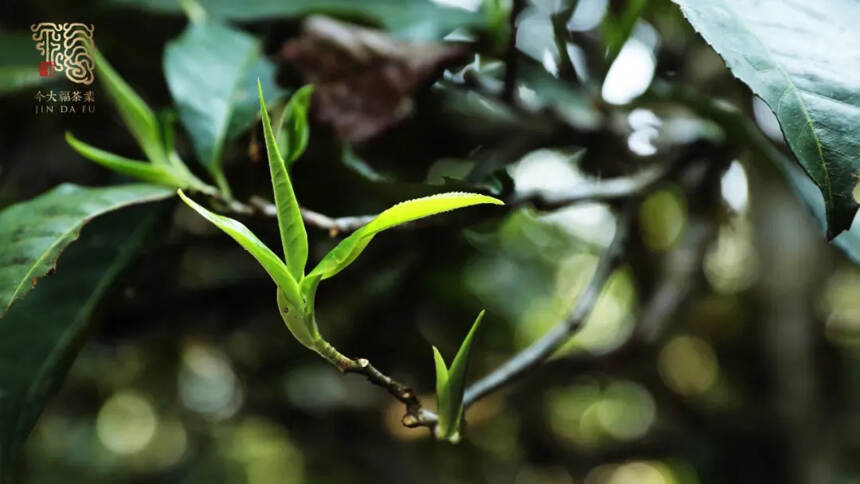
(364, 80)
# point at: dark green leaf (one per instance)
(40, 336)
(35, 232)
(211, 71)
(805, 189)
(247, 108)
(292, 227)
(793, 55)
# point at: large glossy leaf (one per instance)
(417, 19)
(805, 189)
(451, 385)
(208, 69)
(241, 234)
(797, 57)
(40, 336)
(350, 248)
(138, 117)
(35, 232)
(292, 227)
(247, 109)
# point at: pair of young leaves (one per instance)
(154, 135)
(296, 290)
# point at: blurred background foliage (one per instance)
(726, 349)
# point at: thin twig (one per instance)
(337, 225)
(550, 342)
(416, 415)
(334, 226)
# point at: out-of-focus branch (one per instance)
(535, 354)
(677, 283)
(598, 191)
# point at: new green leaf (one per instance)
(35, 232)
(291, 127)
(350, 248)
(793, 55)
(292, 227)
(241, 234)
(133, 110)
(450, 386)
(159, 174)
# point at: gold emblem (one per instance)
(67, 48)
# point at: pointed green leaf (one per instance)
(457, 380)
(443, 402)
(35, 232)
(40, 336)
(141, 170)
(291, 127)
(293, 235)
(350, 248)
(241, 234)
(137, 116)
(793, 55)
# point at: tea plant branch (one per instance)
(596, 191)
(535, 354)
(334, 225)
(416, 415)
